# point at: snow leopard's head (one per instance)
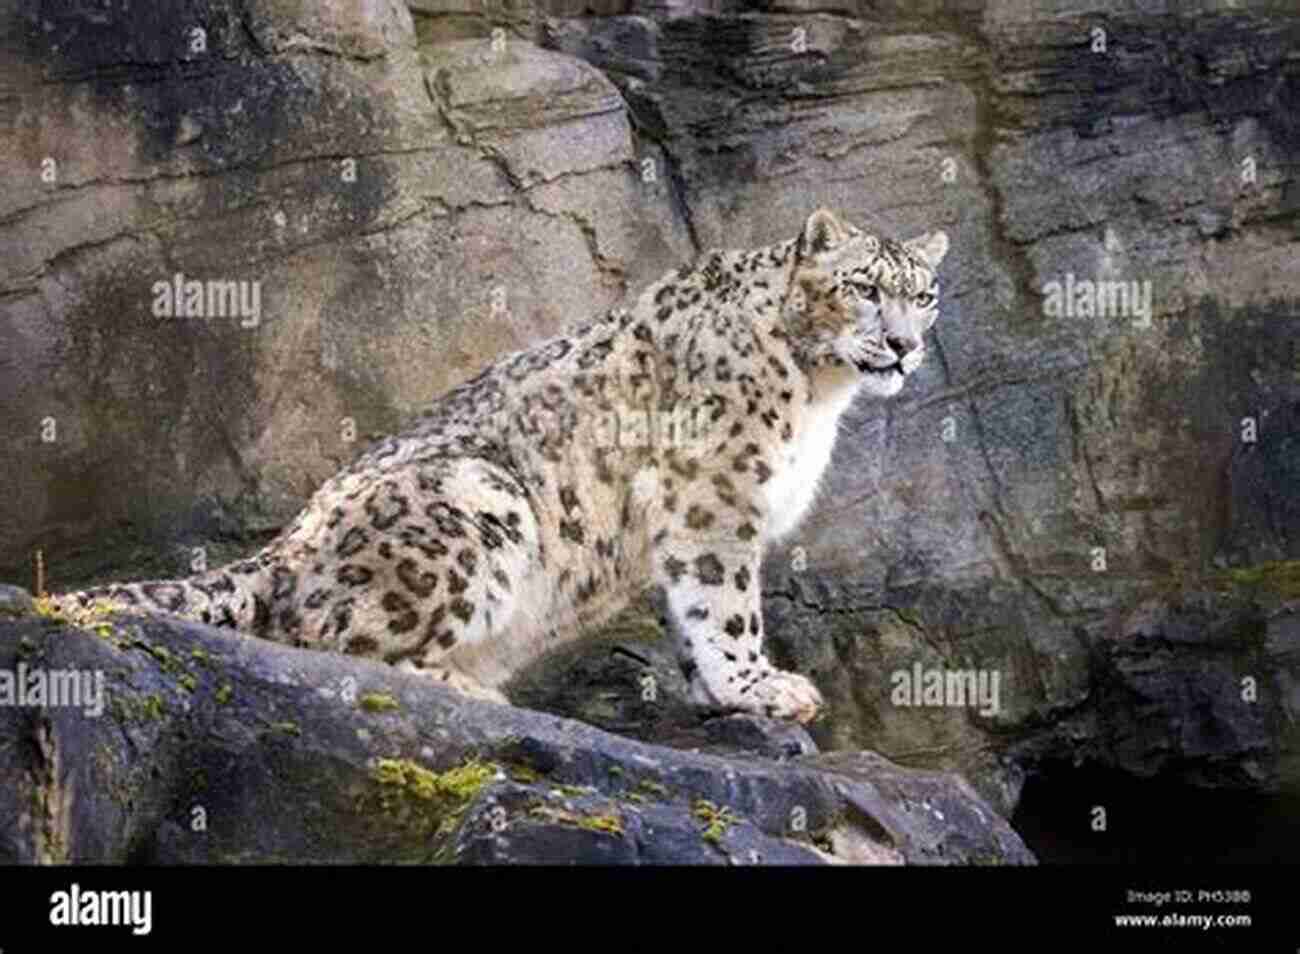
(861, 304)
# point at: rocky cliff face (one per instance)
(401, 193)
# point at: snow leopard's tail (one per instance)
(239, 596)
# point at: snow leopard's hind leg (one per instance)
(441, 574)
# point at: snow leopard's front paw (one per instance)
(776, 694)
(784, 695)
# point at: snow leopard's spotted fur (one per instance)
(666, 444)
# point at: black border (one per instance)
(1033, 908)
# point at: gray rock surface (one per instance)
(1200, 683)
(1041, 474)
(15, 601)
(197, 747)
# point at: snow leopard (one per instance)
(666, 444)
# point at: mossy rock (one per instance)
(422, 803)
(605, 822)
(716, 820)
(378, 702)
(1279, 578)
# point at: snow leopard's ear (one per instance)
(823, 232)
(932, 246)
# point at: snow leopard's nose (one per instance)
(902, 345)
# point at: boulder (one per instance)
(157, 741)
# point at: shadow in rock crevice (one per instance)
(1155, 820)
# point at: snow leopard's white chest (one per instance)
(793, 487)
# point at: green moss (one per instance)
(523, 774)
(167, 661)
(378, 702)
(616, 771)
(910, 616)
(288, 728)
(552, 814)
(653, 787)
(716, 820)
(92, 618)
(609, 823)
(458, 784)
(1279, 577)
(165, 658)
(152, 706)
(224, 694)
(465, 782)
(423, 802)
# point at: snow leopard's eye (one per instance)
(924, 300)
(866, 291)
